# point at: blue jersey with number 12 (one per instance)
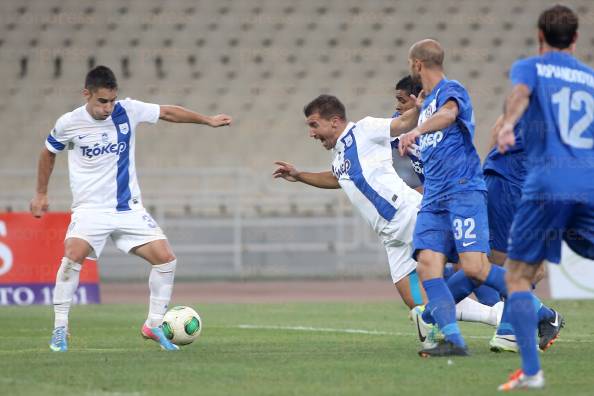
(558, 127)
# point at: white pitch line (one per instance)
(367, 332)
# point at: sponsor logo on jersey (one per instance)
(97, 150)
(105, 138)
(430, 140)
(342, 169)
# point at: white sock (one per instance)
(66, 284)
(161, 286)
(469, 310)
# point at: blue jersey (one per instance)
(558, 129)
(451, 163)
(415, 161)
(511, 165)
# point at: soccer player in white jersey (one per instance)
(99, 137)
(362, 167)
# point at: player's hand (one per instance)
(219, 120)
(39, 205)
(286, 171)
(418, 99)
(407, 141)
(505, 137)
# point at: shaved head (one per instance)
(427, 51)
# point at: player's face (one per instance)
(326, 131)
(100, 102)
(403, 101)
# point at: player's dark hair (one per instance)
(409, 85)
(559, 25)
(327, 106)
(100, 77)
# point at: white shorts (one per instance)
(397, 238)
(127, 229)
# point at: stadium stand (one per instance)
(259, 61)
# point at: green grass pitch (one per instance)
(291, 349)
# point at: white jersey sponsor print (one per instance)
(363, 166)
(101, 155)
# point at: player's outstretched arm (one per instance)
(40, 204)
(317, 179)
(408, 120)
(443, 118)
(515, 105)
(182, 115)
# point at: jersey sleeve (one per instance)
(453, 91)
(523, 72)
(143, 112)
(57, 139)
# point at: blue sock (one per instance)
(460, 286)
(487, 295)
(505, 327)
(496, 280)
(524, 320)
(542, 311)
(443, 309)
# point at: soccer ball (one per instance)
(182, 325)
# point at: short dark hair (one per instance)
(327, 106)
(409, 85)
(559, 24)
(100, 77)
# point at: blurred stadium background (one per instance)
(259, 61)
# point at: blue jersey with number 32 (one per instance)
(558, 127)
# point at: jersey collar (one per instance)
(339, 143)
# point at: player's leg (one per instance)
(161, 278)
(163, 262)
(137, 233)
(469, 310)
(441, 304)
(403, 272)
(85, 237)
(67, 279)
(433, 246)
(523, 317)
(535, 236)
(469, 223)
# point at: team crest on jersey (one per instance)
(104, 138)
(124, 128)
(348, 140)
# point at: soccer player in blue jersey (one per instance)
(504, 175)
(452, 223)
(406, 92)
(553, 96)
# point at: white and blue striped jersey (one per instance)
(101, 155)
(363, 166)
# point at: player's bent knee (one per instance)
(76, 249)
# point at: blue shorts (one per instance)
(541, 225)
(503, 198)
(454, 224)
